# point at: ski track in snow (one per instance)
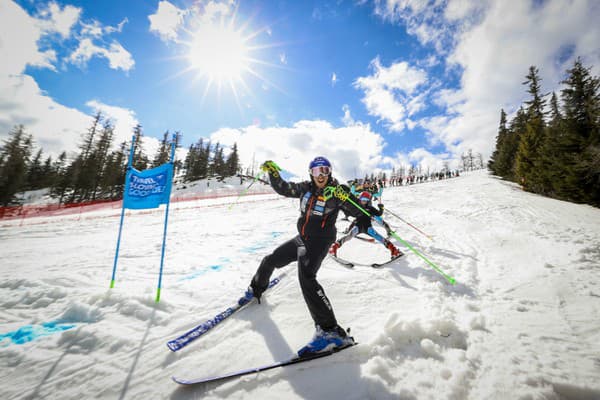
(522, 322)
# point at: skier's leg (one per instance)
(388, 245)
(353, 232)
(281, 256)
(373, 233)
(309, 262)
(337, 244)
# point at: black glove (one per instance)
(380, 206)
(257, 290)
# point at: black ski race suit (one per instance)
(363, 221)
(316, 233)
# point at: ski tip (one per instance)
(379, 265)
(345, 263)
(181, 381)
(172, 346)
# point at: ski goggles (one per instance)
(365, 199)
(322, 170)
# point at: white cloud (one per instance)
(426, 160)
(334, 79)
(389, 92)
(55, 19)
(495, 57)
(347, 118)
(171, 22)
(55, 127)
(420, 17)
(166, 21)
(283, 58)
(118, 57)
(353, 149)
(491, 44)
(215, 9)
(457, 10)
(19, 34)
(96, 29)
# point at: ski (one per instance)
(379, 265)
(369, 239)
(343, 262)
(350, 264)
(195, 333)
(277, 364)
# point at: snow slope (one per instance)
(522, 322)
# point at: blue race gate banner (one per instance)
(149, 188)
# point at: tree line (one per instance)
(97, 170)
(554, 149)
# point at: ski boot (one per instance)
(395, 253)
(334, 248)
(323, 341)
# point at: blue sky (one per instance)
(373, 85)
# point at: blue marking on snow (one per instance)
(254, 248)
(262, 244)
(200, 272)
(28, 333)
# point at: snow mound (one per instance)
(81, 313)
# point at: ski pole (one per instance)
(344, 196)
(409, 224)
(245, 191)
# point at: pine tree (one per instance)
(101, 152)
(15, 155)
(232, 163)
(35, 176)
(201, 170)
(508, 146)
(581, 101)
(140, 160)
(48, 177)
(493, 163)
(217, 164)
(113, 176)
(164, 151)
(188, 163)
(82, 170)
(62, 179)
(580, 168)
(548, 164)
(529, 146)
(177, 164)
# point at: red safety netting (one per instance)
(45, 210)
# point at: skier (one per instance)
(362, 224)
(316, 232)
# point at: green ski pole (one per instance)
(245, 191)
(344, 196)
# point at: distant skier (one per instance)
(316, 232)
(362, 224)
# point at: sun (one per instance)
(226, 54)
(219, 53)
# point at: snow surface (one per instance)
(522, 322)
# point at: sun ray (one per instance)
(225, 54)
